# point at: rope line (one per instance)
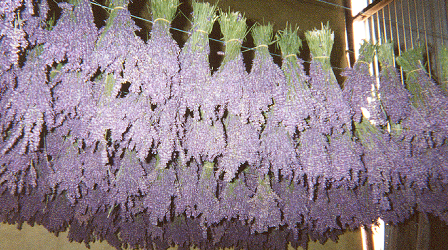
(212, 39)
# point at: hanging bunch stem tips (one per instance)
(164, 10)
(366, 52)
(411, 60)
(289, 42)
(386, 54)
(204, 16)
(262, 35)
(320, 43)
(233, 27)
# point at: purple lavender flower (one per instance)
(393, 94)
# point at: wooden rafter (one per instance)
(371, 9)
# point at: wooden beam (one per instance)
(350, 36)
(371, 9)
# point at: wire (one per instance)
(333, 4)
(212, 39)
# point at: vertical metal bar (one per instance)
(398, 40)
(416, 20)
(390, 24)
(379, 41)
(374, 40)
(384, 23)
(380, 29)
(349, 31)
(404, 30)
(410, 25)
(426, 37)
(439, 7)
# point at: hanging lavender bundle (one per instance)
(156, 72)
(264, 211)
(74, 100)
(187, 186)
(204, 139)
(98, 112)
(73, 38)
(360, 88)
(393, 94)
(235, 196)
(299, 104)
(385, 161)
(26, 109)
(426, 127)
(195, 70)
(277, 144)
(335, 114)
(12, 35)
(242, 143)
(327, 150)
(230, 79)
(206, 200)
(266, 82)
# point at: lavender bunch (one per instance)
(26, 107)
(278, 150)
(266, 81)
(36, 26)
(230, 79)
(127, 183)
(294, 204)
(346, 167)
(195, 72)
(73, 97)
(143, 134)
(394, 96)
(72, 39)
(360, 89)
(187, 186)
(264, 210)
(158, 196)
(12, 34)
(170, 129)
(204, 139)
(296, 104)
(67, 165)
(242, 146)
(385, 161)
(429, 102)
(293, 106)
(242, 143)
(335, 113)
(154, 66)
(116, 47)
(206, 200)
(314, 157)
(234, 199)
(18, 171)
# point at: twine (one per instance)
(414, 70)
(290, 55)
(231, 40)
(321, 57)
(262, 45)
(209, 166)
(202, 31)
(161, 19)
